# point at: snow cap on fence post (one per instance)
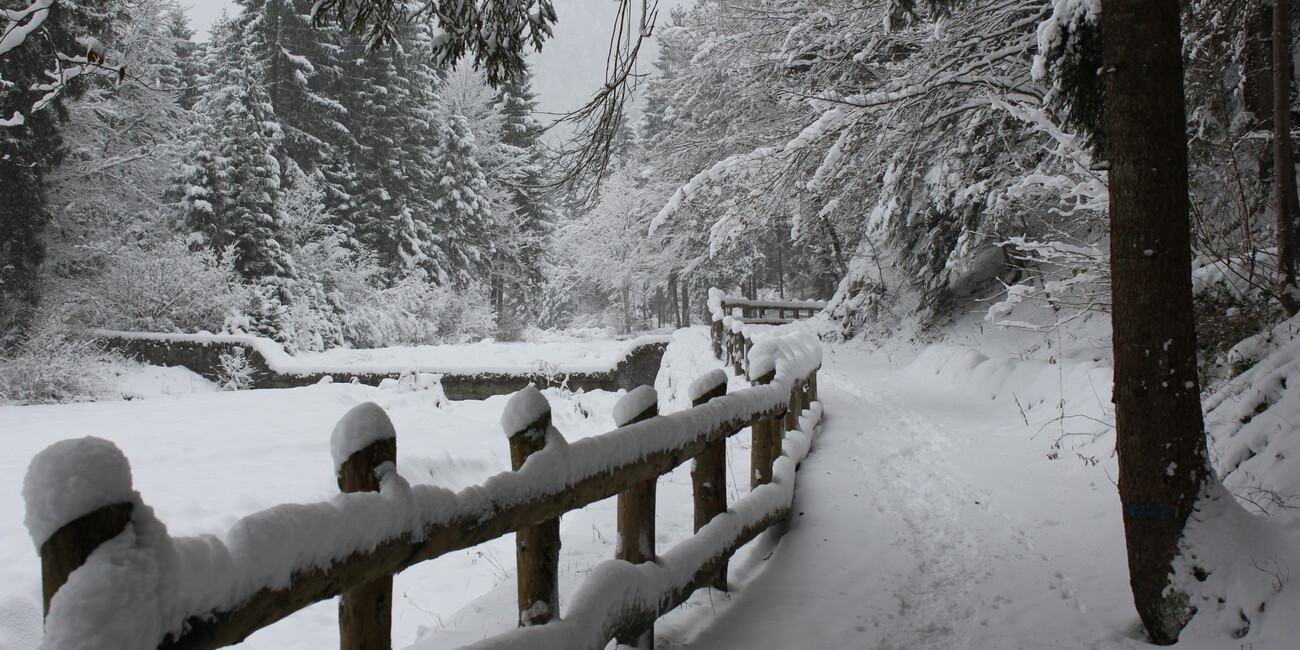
(364, 425)
(527, 410)
(70, 479)
(762, 368)
(79, 496)
(633, 406)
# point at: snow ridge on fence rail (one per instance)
(136, 586)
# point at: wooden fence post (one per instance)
(766, 442)
(737, 353)
(69, 548)
(709, 472)
(537, 547)
(796, 407)
(715, 331)
(366, 612)
(636, 506)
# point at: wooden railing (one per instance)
(205, 593)
(730, 316)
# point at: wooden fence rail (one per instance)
(731, 314)
(383, 525)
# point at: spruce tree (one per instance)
(517, 268)
(459, 212)
(231, 188)
(301, 70)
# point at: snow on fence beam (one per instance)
(617, 598)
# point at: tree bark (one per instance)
(1285, 203)
(686, 301)
(1160, 432)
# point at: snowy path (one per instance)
(929, 519)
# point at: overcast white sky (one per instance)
(567, 71)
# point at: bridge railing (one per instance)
(730, 315)
(113, 577)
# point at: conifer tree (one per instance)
(459, 213)
(300, 69)
(230, 193)
(30, 148)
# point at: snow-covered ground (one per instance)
(955, 498)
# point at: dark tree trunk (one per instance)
(1285, 204)
(686, 301)
(1258, 68)
(1161, 436)
(672, 297)
(780, 264)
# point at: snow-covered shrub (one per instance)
(52, 365)
(415, 312)
(235, 372)
(164, 287)
(1069, 279)
(1232, 299)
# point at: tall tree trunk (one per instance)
(780, 264)
(672, 295)
(1161, 436)
(686, 301)
(1285, 203)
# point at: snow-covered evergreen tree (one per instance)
(301, 68)
(230, 189)
(31, 147)
(459, 211)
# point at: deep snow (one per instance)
(956, 498)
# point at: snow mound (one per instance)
(359, 428)
(634, 403)
(523, 409)
(71, 479)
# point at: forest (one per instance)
(906, 162)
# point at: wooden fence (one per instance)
(205, 594)
(731, 315)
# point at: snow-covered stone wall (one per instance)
(271, 367)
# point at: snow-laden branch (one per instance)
(22, 23)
